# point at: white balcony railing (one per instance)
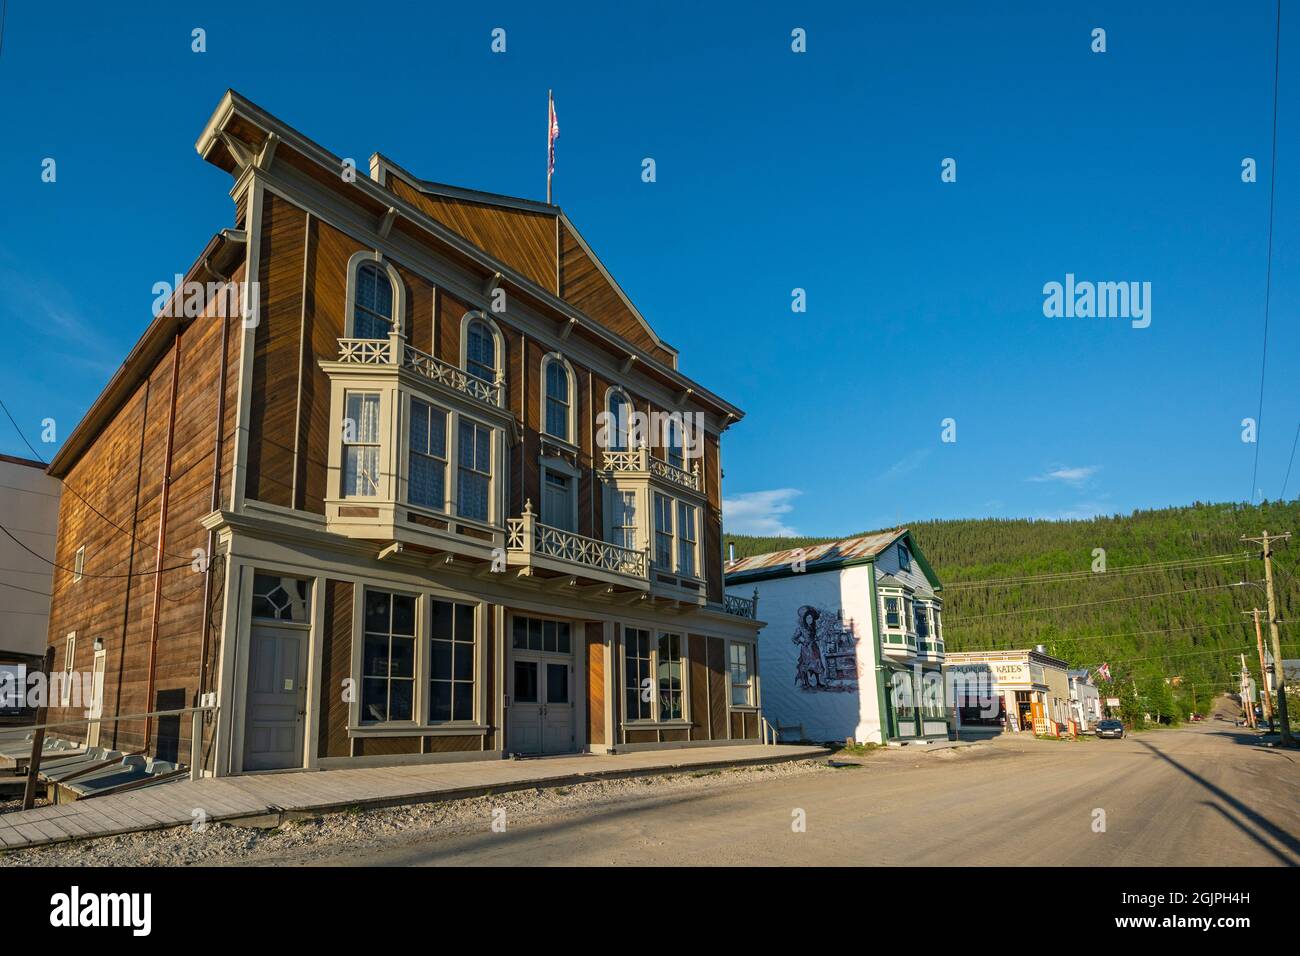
(640, 460)
(529, 536)
(381, 352)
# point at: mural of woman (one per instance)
(811, 668)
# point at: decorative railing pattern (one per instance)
(530, 536)
(365, 351)
(741, 607)
(640, 459)
(439, 371)
(381, 351)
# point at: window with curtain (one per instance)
(372, 303)
(922, 622)
(685, 539)
(388, 657)
(427, 460)
(670, 676)
(663, 531)
(557, 399)
(475, 470)
(892, 612)
(620, 414)
(636, 671)
(480, 351)
(451, 662)
(361, 444)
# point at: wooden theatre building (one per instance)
(397, 473)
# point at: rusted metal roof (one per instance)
(828, 555)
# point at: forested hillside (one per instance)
(1162, 608)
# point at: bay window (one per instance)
(475, 470)
(622, 520)
(427, 460)
(893, 612)
(361, 444)
(685, 539)
(663, 531)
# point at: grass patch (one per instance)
(856, 750)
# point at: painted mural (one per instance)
(828, 654)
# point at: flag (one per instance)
(552, 134)
(1104, 671)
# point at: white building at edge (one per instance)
(853, 644)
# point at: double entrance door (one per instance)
(541, 717)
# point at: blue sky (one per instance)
(775, 171)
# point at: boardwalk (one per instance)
(232, 798)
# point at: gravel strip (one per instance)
(219, 844)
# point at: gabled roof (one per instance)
(824, 557)
(542, 243)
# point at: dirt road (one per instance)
(1206, 795)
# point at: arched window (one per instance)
(618, 419)
(674, 450)
(480, 351)
(372, 303)
(557, 408)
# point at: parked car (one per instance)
(1197, 717)
(1110, 728)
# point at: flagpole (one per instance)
(550, 106)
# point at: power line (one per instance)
(17, 587)
(66, 485)
(1182, 564)
(1291, 461)
(1268, 273)
(87, 574)
(1058, 607)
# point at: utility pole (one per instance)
(1266, 541)
(1263, 668)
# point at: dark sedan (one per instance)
(1110, 728)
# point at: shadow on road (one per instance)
(1257, 818)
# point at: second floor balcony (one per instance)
(542, 550)
(639, 463)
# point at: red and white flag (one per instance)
(552, 134)
(1104, 671)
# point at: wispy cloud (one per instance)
(1081, 511)
(906, 465)
(1075, 475)
(760, 512)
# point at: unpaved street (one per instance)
(1206, 795)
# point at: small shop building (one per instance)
(1012, 690)
(1085, 699)
(853, 644)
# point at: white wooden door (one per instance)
(96, 698)
(557, 708)
(557, 501)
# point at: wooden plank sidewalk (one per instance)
(175, 803)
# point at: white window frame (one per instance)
(350, 304)
(613, 430)
(748, 684)
(571, 439)
(498, 345)
(79, 564)
(450, 420)
(656, 717)
(378, 443)
(454, 450)
(69, 662)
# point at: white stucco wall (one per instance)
(843, 708)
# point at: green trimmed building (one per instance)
(852, 648)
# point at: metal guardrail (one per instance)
(38, 739)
